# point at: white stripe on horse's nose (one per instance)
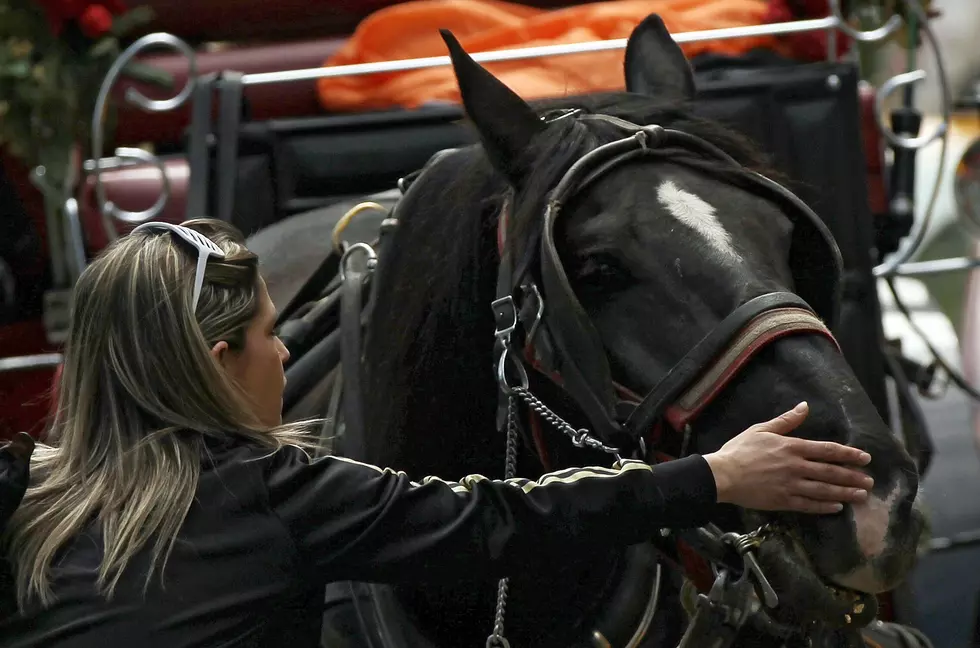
(872, 519)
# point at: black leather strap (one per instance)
(306, 372)
(198, 148)
(915, 428)
(230, 89)
(688, 368)
(577, 352)
(332, 416)
(351, 304)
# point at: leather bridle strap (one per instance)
(723, 351)
(759, 333)
(351, 311)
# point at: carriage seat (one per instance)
(271, 101)
(304, 38)
(136, 187)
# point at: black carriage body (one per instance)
(806, 117)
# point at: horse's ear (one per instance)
(505, 122)
(655, 65)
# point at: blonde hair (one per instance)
(139, 394)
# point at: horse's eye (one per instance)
(600, 268)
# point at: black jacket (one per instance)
(267, 531)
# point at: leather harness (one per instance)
(540, 323)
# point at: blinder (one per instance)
(565, 344)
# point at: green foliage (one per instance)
(49, 83)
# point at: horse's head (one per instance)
(656, 252)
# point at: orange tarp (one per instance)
(411, 30)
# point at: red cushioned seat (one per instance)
(133, 188)
(297, 99)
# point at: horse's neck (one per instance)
(440, 421)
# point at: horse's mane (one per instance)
(436, 284)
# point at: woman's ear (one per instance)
(221, 353)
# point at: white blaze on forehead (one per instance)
(695, 213)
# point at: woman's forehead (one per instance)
(267, 308)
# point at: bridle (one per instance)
(563, 344)
(540, 323)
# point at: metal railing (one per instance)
(30, 362)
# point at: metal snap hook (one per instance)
(372, 256)
(517, 365)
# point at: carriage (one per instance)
(303, 183)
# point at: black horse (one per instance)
(654, 246)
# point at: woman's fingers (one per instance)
(831, 452)
(823, 492)
(787, 421)
(835, 475)
(804, 505)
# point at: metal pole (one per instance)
(936, 266)
(523, 53)
(30, 362)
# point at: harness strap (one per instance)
(704, 354)
(759, 333)
(350, 358)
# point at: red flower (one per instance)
(95, 21)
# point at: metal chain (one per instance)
(496, 638)
(580, 438)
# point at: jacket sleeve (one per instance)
(354, 521)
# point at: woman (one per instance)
(176, 509)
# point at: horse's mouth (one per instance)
(806, 598)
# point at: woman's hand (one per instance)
(765, 470)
